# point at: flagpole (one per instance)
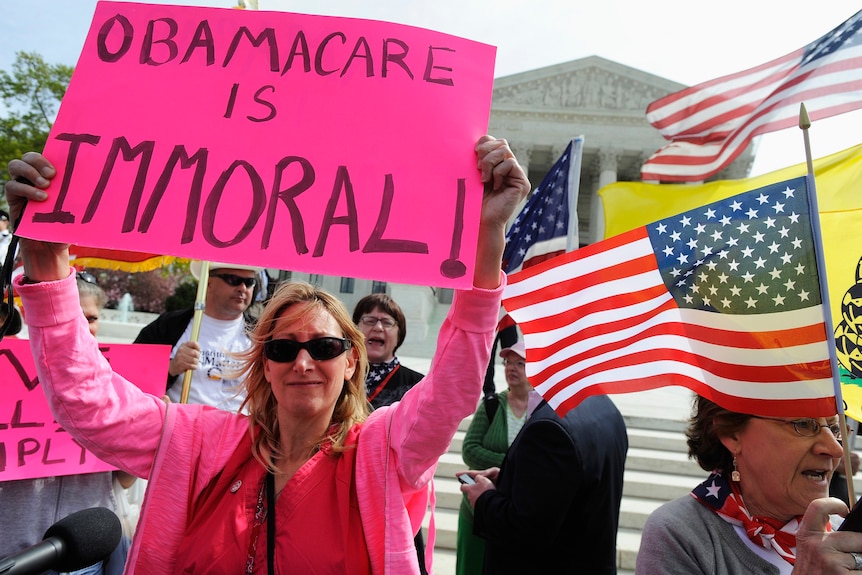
(200, 304)
(804, 124)
(572, 239)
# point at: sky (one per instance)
(687, 42)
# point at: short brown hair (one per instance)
(387, 305)
(708, 424)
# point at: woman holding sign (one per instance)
(309, 481)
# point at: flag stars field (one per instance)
(741, 270)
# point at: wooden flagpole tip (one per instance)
(804, 120)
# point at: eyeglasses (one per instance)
(516, 363)
(234, 280)
(87, 277)
(321, 349)
(807, 426)
(371, 321)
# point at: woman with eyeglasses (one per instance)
(382, 323)
(763, 509)
(309, 482)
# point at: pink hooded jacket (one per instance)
(397, 451)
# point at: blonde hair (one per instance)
(290, 302)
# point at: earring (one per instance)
(734, 475)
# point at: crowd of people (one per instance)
(305, 445)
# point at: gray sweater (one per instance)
(683, 537)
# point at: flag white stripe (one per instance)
(744, 325)
(720, 87)
(712, 156)
(760, 96)
(541, 248)
(581, 267)
(790, 390)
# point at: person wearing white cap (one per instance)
(231, 289)
(493, 428)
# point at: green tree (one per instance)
(31, 94)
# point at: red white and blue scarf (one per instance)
(724, 498)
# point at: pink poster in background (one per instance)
(328, 145)
(31, 443)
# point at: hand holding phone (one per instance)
(466, 479)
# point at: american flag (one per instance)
(711, 124)
(723, 299)
(549, 217)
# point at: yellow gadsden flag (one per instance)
(838, 179)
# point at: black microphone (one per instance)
(74, 542)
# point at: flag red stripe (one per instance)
(568, 316)
(598, 277)
(803, 335)
(756, 71)
(746, 104)
(579, 254)
(709, 165)
(749, 101)
(753, 126)
(753, 374)
(766, 407)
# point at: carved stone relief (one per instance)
(587, 88)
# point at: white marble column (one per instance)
(522, 152)
(607, 166)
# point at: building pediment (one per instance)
(591, 83)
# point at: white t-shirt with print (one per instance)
(211, 382)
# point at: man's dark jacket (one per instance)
(556, 505)
(167, 329)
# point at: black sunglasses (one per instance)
(235, 280)
(321, 348)
(87, 277)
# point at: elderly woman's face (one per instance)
(306, 387)
(780, 471)
(381, 336)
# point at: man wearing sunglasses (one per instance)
(231, 289)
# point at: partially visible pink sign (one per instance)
(31, 442)
(328, 145)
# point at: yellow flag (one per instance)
(838, 178)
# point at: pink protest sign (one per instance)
(329, 145)
(31, 442)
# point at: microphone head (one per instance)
(88, 535)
